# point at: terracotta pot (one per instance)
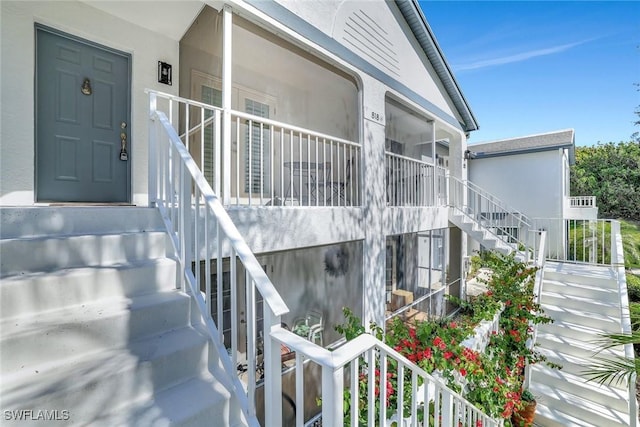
(524, 417)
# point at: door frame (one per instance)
(128, 56)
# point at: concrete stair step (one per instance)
(572, 410)
(577, 347)
(97, 382)
(104, 324)
(571, 330)
(37, 292)
(603, 277)
(177, 406)
(608, 294)
(60, 221)
(617, 396)
(552, 417)
(570, 363)
(52, 253)
(604, 323)
(609, 306)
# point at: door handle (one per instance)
(124, 156)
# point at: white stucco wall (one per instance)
(383, 42)
(531, 183)
(17, 144)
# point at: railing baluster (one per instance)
(272, 165)
(300, 189)
(250, 162)
(261, 163)
(355, 391)
(217, 166)
(233, 277)
(238, 151)
(282, 195)
(219, 282)
(250, 311)
(299, 389)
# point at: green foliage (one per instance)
(492, 380)
(630, 231)
(633, 287)
(611, 172)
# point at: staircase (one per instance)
(477, 232)
(584, 302)
(94, 331)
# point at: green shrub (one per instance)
(630, 231)
(633, 287)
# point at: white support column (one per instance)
(332, 396)
(227, 30)
(373, 202)
(152, 190)
(435, 200)
(272, 371)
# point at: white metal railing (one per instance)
(269, 163)
(498, 218)
(617, 259)
(578, 240)
(366, 361)
(538, 261)
(582, 201)
(201, 231)
(412, 182)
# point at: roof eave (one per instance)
(412, 13)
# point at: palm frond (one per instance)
(612, 371)
(608, 341)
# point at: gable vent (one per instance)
(366, 37)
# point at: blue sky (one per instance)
(534, 67)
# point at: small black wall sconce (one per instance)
(164, 73)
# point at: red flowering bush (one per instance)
(492, 380)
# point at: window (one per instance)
(257, 171)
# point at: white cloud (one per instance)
(519, 57)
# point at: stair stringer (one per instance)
(479, 233)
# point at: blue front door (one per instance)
(82, 120)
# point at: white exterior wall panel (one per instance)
(532, 183)
(17, 183)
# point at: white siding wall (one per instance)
(17, 85)
(531, 183)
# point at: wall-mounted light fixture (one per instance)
(164, 73)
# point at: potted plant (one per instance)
(524, 415)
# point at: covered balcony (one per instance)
(268, 123)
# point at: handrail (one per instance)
(454, 409)
(617, 257)
(182, 194)
(539, 263)
(201, 231)
(412, 182)
(588, 241)
(271, 163)
(498, 201)
(495, 216)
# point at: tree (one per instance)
(611, 172)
